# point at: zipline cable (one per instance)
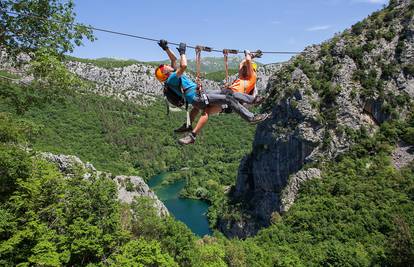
(137, 36)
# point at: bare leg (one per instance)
(204, 117)
(193, 114)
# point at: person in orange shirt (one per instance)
(240, 91)
(244, 88)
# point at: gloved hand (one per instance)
(257, 54)
(163, 44)
(181, 48)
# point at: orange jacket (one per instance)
(244, 86)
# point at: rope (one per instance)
(198, 66)
(137, 36)
(201, 92)
(226, 53)
(226, 66)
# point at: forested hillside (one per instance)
(360, 212)
(320, 100)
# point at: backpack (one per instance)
(173, 97)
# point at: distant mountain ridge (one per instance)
(208, 64)
(211, 64)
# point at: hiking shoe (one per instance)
(183, 129)
(189, 139)
(258, 100)
(259, 118)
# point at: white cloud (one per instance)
(318, 28)
(275, 22)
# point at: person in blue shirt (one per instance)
(173, 76)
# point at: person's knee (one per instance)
(231, 100)
(229, 97)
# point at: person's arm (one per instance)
(183, 60)
(241, 64)
(248, 62)
(172, 57)
(164, 45)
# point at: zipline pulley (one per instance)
(257, 54)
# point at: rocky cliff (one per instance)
(129, 187)
(135, 82)
(319, 100)
(127, 83)
(264, 73)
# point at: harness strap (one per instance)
(226, 66)
(198, 67)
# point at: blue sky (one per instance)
(241, 24)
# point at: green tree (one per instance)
(40, 23)
(141, 253)
(401, 244)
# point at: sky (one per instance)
(268, 25)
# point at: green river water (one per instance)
(192, 212)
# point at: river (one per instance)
(192, 212)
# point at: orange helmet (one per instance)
(162, 77)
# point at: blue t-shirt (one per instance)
(188, 85)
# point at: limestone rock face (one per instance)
(318, 100)
(291, 190)
(126, 83)
(129, 187)
(403, 155)
(264, 73)
(135, 83)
